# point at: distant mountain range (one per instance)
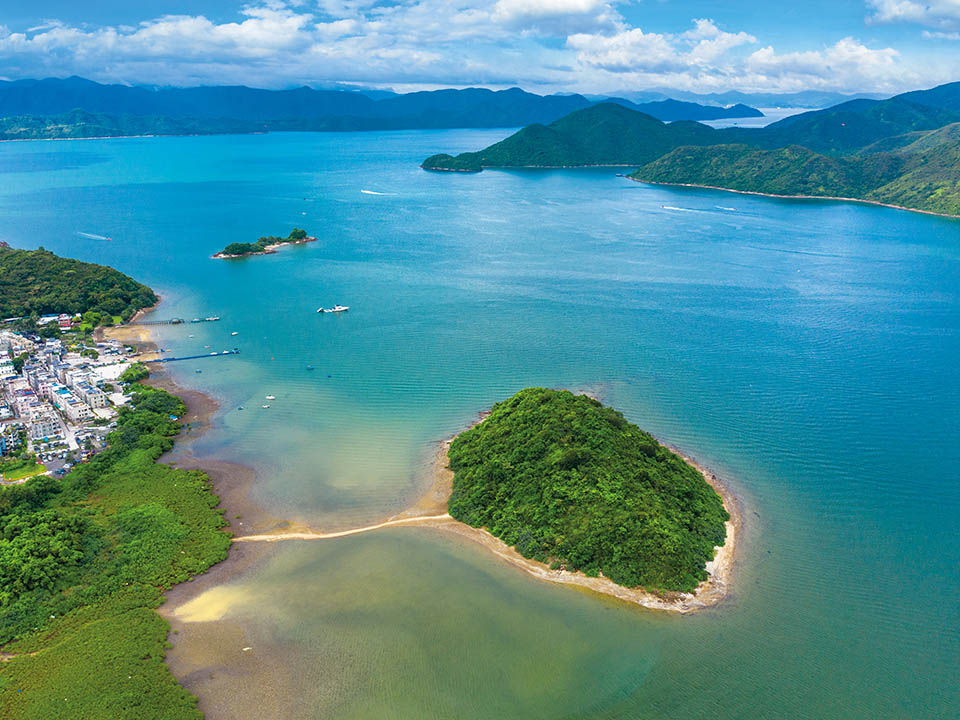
(804, 99)
(47, 108)
(902, 151)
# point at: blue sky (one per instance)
(541, 45)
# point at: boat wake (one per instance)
(92, 236)
(374, 192)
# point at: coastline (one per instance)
(710, 592)
(431, 511)
(230, 481)
(834, 198)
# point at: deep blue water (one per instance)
(807, 350)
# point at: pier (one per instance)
(235, 351)
(177, 321)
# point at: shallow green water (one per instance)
(805, 350)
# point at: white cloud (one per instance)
(544, 45)
(933, 13)
(556, 17)
(636, 51)
(940, 35)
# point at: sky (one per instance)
(591, 46)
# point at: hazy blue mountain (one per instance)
(306, 108)
(804, 99)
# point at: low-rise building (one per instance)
(93, 396)
(44, 425)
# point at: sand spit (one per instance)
(430, 511)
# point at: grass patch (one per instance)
(23, 472)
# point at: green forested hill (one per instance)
(606, 134)
(901, 151)
(39, 282)
(918, 170)
(565, 479)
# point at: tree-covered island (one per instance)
(265, 245)
(570, 482)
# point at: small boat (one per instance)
(213, 318)
(240, 408)
(271, 397)
(309, 367)
(195, 320)
(234, 333)
(334, 309)
(198, 370)
(264, 406)
(214, 353)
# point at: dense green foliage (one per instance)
(920, 170)
(606, 134)
(134, 373)
(83, 564)
(896, 151)
(240, 249)
(37, 282)
(563, 478)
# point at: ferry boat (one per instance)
(334, 309)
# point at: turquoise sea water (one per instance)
(807, 351)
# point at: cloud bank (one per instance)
(582, 45)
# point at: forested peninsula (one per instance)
(904, 151)
(84, 563)
(85, 560)
(265, 245)
(37, 282)
(571, 483)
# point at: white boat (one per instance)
(271, 397)
(264, 406)
(334, 309)
(234, 333)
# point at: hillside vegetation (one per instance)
(902, 151)
(83, 565)
(566, 480)
(921, 171)
(39, 282)
(607, 134)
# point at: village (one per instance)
(58, 396)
